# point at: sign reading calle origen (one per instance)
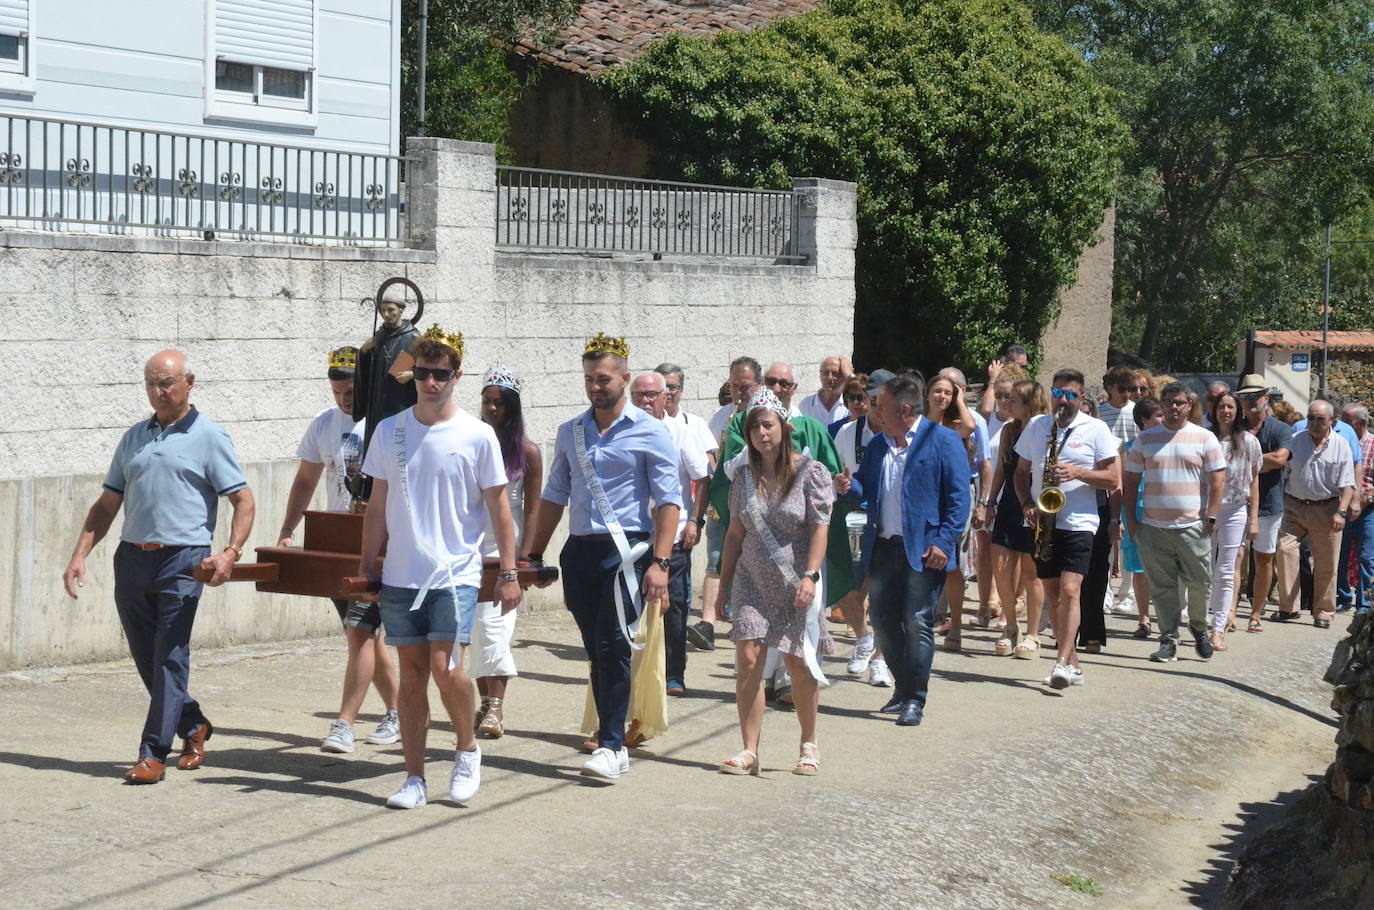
(1300, 362)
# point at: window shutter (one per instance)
(278, 33)
(14, 17)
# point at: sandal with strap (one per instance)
(745, 761)
(491, 726)
(1218, 641)
(809, 762)
(1006, 645)
(1028, 648)
(1142, 630)
(1255, 625)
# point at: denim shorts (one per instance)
(445, 615)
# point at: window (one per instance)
(16, 61)
(261, 61)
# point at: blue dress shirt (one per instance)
(636, 461)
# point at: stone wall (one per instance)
(80, 314)
(1078, 337)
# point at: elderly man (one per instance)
(1214, 391)
(826, 405)
(1317, 501)
(1359, 530)
(649, 393)
(745, 376)
(170, 470)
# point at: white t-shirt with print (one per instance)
(334, 440)
(1088, 442)
(448, 465)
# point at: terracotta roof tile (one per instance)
(607, 33)
(1336, 341)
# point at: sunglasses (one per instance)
(439, 374)
(849, 398)
(1002, 396)
(1142, 389)
(1064, 394)
(775, 382)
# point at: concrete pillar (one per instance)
(826, 228)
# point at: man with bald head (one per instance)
(168, 472)
(826, 405)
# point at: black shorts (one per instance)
(359, 613)
(1071, 551)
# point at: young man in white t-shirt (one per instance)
(1086, 463)
(436, 475)
(333, 448)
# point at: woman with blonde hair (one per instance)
(770, 568)
(1012, 541)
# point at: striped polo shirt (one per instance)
(1175, 464)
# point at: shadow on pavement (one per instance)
(1254, 819)
(1232, 683)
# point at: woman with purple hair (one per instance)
(492, 631)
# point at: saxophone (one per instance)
(1051, 498)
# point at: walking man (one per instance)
(1183, 470)
(913, 482)
(333, 448)
(1085, 463)
(437, 475)
(1317, 501)
(170, 471)
(608, 463)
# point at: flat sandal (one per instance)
(743, 762)
(809, 762)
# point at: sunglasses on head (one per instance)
(440, 374)
(1064, 394)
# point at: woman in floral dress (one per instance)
(771, 564)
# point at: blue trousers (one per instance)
(1359, 537)
(901, 609)
(157, 599)
(589, 565)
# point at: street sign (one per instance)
(1300, 363)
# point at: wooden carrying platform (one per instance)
(326, 565)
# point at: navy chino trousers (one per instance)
(901, 609)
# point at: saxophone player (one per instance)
(1074, 453)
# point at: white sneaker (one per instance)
(1126, 606)
(624, 760)
(467, 775)
(862, 656)
(340, 738)
(1075, 676)
(388, 731)
(879, 675)
(412, 794)
(605, 764)
(1061, 677)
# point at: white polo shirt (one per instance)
(1084, 443)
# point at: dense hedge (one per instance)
(985, 153)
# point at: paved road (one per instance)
(1146, 780)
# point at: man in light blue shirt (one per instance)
(608, 462)
(168, 473)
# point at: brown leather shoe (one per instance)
(193, 747)
(146, 771)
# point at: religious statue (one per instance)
(383, 384)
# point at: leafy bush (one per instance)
(985, 152)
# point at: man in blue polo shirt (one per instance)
(608, 463)
(169, 471)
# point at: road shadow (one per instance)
(557, 649)
(1207, 888)
(1151, 667)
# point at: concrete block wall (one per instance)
(79, 314)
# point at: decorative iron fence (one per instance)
(55, 173)
(555, 210)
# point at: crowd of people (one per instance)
(878, 503)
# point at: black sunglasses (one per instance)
(440, 374)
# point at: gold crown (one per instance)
(602, 344)
(345, 358)
(453, 340)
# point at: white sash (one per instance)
(629, 555)
(812, 633)
(443, 571)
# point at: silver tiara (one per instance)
(500, 374)
(764, 398)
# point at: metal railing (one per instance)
(556, 211)
(112, 179)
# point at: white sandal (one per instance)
(809, 762)
(741, 763)
(1028, 648)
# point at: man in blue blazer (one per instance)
(914, 484)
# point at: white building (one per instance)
(243, 117)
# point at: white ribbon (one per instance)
(629, 554)
(443, 571)
(811, 636)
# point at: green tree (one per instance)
(1251, 127)
(469, 89)
(984, 150)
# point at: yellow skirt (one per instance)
(648, 682)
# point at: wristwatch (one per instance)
(814, 576)
(1211, 520)
(1340, 512)
(663, 562)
